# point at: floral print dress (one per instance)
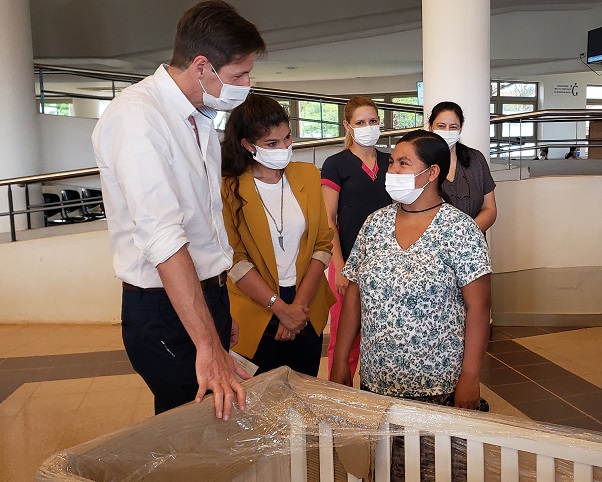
(413, 312)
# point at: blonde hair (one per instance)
(350, 107)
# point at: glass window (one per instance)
(518, 89)
(517, 129)
(318, 119)
(287, 105)
(404, 120)
(493, 89)
(57, 108)
(594, 92)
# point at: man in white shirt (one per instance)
(160, 165)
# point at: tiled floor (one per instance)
(63, 385)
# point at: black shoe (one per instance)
(483, 405)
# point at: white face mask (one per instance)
(230, 96)
(366, 136)
(273, 158)
(451, 137)
(402, 187)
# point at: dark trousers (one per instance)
(159, 347)
(301, 354)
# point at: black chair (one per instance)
(51, 199)
(72, 204)
(93, 210)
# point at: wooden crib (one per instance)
(298, 429)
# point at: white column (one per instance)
(456, 53)
(20, 152)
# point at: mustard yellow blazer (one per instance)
(252, 244)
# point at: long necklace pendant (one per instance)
(281, 242)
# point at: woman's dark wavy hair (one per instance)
(251, 120)
(461, 149)
(431, 149)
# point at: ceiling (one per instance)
(306, 41)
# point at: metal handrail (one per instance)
(41, 69)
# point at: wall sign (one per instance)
(567, 89)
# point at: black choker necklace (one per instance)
(422, 210)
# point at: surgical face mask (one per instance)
(451, 137)
(402, 187)
(273, 158)
(366, 136)
(230, 96)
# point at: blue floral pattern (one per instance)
(413, 312)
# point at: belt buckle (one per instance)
(222, 278)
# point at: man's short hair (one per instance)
(214, 29)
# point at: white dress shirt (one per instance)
(161, 191)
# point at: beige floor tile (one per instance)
(110, 399)
(116, 382)
(53, 405)
(578, 351)
(50, 339)
(18, 399)
(26, 390)
(64, 387)
(142, 412)
(10, 407)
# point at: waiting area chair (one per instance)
(72, 204)
(53, 202)
(93, 210)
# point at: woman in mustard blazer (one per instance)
(277, 226)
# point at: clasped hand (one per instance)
(293, 318)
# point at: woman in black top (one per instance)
(353, 185)
(469, 185)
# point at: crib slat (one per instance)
(326, 454)
(475, 461)
(583, 473)
(382, 471)
(546, 471)
(443, 457)
(412, 454)
(509, 465)
(298, 448)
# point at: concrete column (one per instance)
(20, 152)
(456, 53)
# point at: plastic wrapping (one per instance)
(298, 428)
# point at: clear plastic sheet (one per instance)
(299, 428)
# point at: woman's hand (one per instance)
(284, 334)
(293, 317)
(341, 283)
(468, 393)
(340, 373)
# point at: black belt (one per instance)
(218, 280)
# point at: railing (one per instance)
(513, 144)
(26, 181)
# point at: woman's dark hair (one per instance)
(251, 120)
(214, 29)
(431, 149)
(461, 149)
(572, 153)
